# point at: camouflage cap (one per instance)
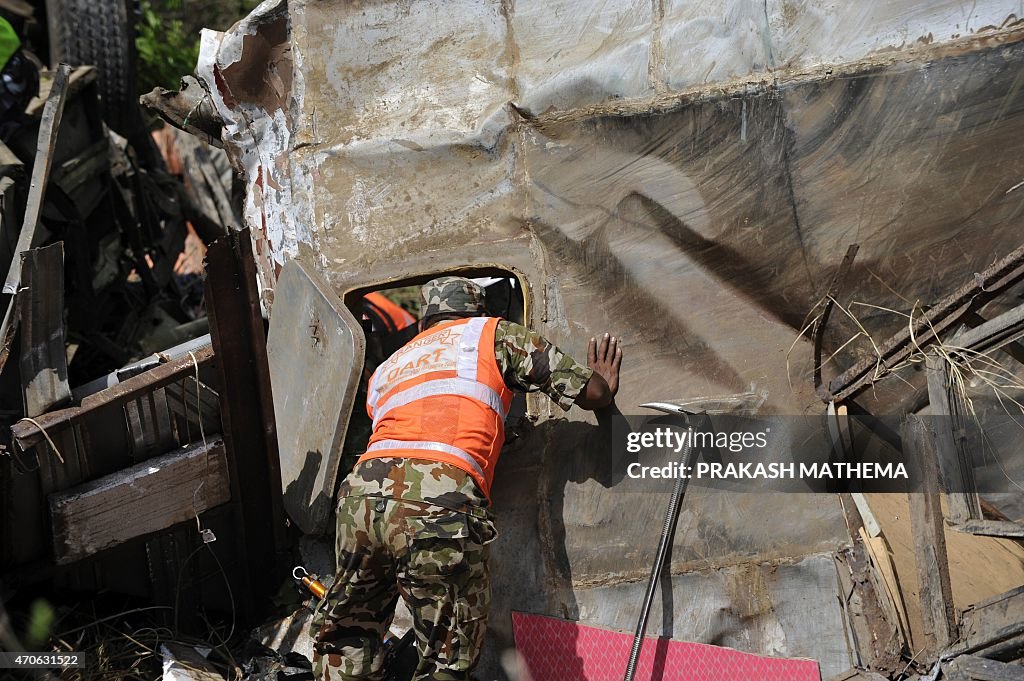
(451, 294)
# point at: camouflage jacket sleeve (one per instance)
(530, 362)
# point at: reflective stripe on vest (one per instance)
(429, 446)
(442, 397)
(442, 386)
(465, 366)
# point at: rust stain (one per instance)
(262, 76)
(224, 89)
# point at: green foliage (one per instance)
(167, 36)
(407, 297)
(40, 624)
(166, 51)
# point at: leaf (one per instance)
(40, 624)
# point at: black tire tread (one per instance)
(98, 32)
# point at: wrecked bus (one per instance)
(789, 209)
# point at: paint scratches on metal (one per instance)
(248, 73)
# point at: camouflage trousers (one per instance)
(435, 558)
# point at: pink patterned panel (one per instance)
(558, 650)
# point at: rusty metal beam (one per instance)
(28, 434)
(924, 329)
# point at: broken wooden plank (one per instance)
(148, 497)
(44, 365)
(28, 434)
(880, 559)
(974, 668)
(877, 641)
(953, 462)
(990, 335)
(49, 127)
(867, 517)
(936, 591)
(993, 628)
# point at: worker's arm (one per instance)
(604, 357)
(530, 362)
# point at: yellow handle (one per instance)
(314, 586)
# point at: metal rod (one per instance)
(49, 127)
(668, 531)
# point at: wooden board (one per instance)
(881, 559)
(145, 498)
(971, 668)
(994, 623)
(936, 592)
(979, 567)
(44, 366)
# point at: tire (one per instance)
(99, 32)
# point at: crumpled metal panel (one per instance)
(316, 349)
(251, 96)
(570, 54)
(785, 610)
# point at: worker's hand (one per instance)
(604, 356)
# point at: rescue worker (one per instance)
(413, 515)
(388, 316)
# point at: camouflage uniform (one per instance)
(421, 529)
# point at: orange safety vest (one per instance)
(441, 397)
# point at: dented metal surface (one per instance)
(315, 363)
(685, 175)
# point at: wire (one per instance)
(46, 435)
